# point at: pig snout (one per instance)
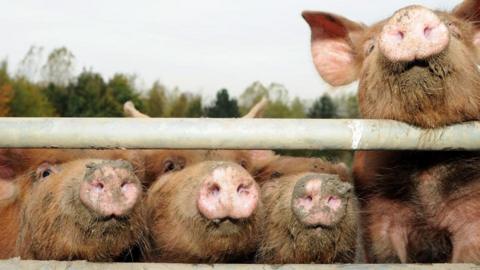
(228, 192)
(320, 199)
(413, 33)
(110, 188)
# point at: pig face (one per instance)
(418, 66)
(207, 212)
(309, 217)
(83, 209)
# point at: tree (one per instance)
(323, 107)
(90, 97)
(122, 88)
(277, 109)
(29, 67)
(59, 68)
(195, 107)
(297, 109)
(58, 97)
(28, 100)
(6, 90)
(352, 107)
(223, 106)
(179, 106)
(156, 100)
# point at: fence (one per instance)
(345, 134)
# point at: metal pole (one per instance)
(204, 133)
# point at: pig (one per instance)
(203, 206)
(310, 212)
(418, 66)
(71, 207)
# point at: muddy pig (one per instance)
(418, 66)
(21, 163)
(310, 212)
(81, 208)
(205, 210)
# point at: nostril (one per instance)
(214, 190)
(427, 31)
(242, 189)
(334, 202)
(309, 199)
(400, 34)
(124, 186)
(98, 185)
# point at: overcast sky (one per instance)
(200, 46)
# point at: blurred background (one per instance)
(172, 58)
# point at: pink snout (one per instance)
(413, 33)
(110, 188)
(228, 192)
(320, 199)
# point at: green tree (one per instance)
(297, 109)
(156, 101)
(323, 107)
(6, 89)
(90, 97)
(122, 88)
(223, 106)
(277, 109)
(195, 107)
(28, 100)
(179, 106)
(352, 107)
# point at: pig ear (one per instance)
(469, 10)
(261, 158)
(8, 159)
(129, 110)
(332, 48)
(343, 172)
(258, 109)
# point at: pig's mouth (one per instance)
(227, 225)
(113, 218)
(417, 64)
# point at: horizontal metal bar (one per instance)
(204, 133)
(81, 265)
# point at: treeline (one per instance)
(50, 87)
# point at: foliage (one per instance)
(28, 100)
(223, 106)
(6, 90)
(61, 92)
(323, 107)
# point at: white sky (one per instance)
(200, 46)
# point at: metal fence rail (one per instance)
(345, 134)
(83, 265)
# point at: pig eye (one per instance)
(244, 164)
(275, 174)
(369, 46)
(168, 166)
(45, 170)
